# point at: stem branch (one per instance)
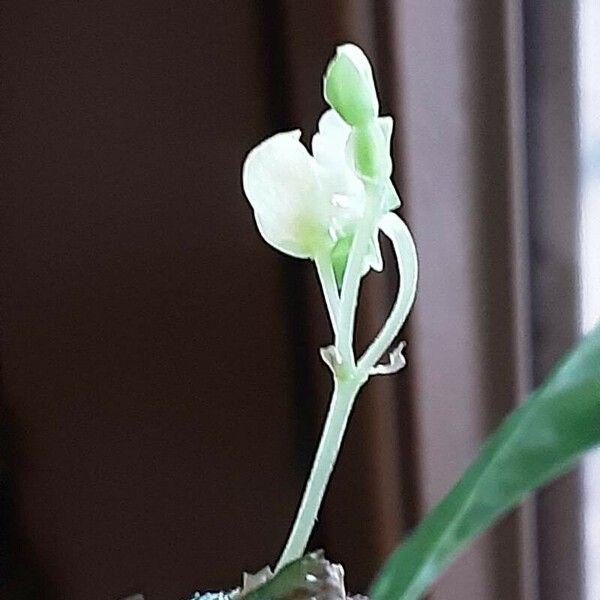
(350, 377)
(353, 274)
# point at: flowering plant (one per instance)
(331, 207)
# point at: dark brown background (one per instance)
(161, 389)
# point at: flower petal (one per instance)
(374, 259)
(280, 236)
(282, 183)
(344, 188)
(329, 143)
(391, 198)
(386, 124)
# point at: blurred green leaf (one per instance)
(537, 442)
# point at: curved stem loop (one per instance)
(406, 256)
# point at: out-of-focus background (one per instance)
(161, 387)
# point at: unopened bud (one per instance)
(370, 152)
(348, 86)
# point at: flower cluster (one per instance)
(309, 205)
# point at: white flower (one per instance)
(284, 187)
(348, 85)
(305, 204)
(347, 193)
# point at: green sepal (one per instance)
(370, 152)
(339, 258)
(348, 86)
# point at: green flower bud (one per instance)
(348, 86)
(370, 151)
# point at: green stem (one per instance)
(406, 257)
(353, 274)
(347, 378)
(342, 400)
(330, 291)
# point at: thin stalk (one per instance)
(353, 273)
(330, 290)
(342, 400)
(406, 257)
(347, 381)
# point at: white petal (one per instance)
(329, 143)
(386, 124)
(280, 237)
(329, 150)
(282, 183)
(391, 198)
(374, 257)
(279, 173)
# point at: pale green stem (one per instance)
(330, 290)
(353, 273)
(342, 400)
(406, 256)
(347, 381)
